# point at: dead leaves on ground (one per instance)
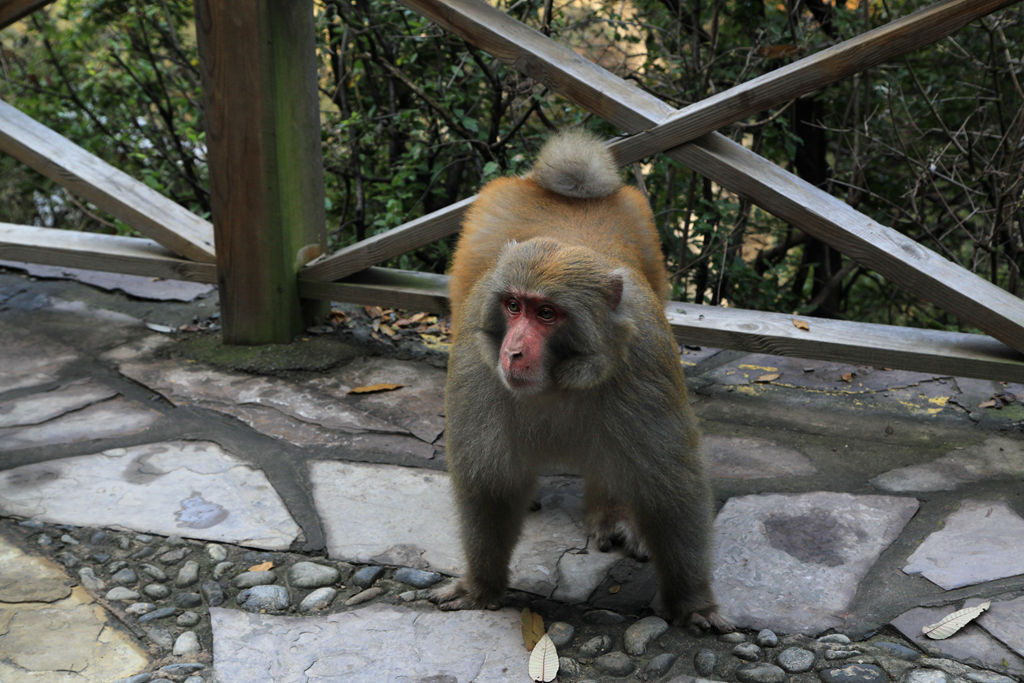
(396, 325)
(543, 664)
(999, 401)
(951, 623)
(375, 388)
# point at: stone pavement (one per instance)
(171, 510)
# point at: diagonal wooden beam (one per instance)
(919, 270)
(12, 10)
(114, 191)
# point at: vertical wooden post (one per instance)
(258, 65)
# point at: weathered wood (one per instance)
(406, 289)
(898, 37)
(12, 10)
(110, 253)
(258, 65)
(945, 353)
(114, 191)
(626, 105)
(394, 242)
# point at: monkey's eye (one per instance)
(513, 307)
(546, 314)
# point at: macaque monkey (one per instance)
(562, 355)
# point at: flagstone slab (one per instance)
(971, 644)
(316, 411)
(115, 417)
(980, 542)
(405, 516)
(1004, 620)
(996, 458)
(374, 643)
(139, 286)
(46, 405)
(737, 457)
(186, 488)
(792, 563)
(50, 631)
(30, 359)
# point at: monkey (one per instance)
(562, 354)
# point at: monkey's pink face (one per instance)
(529, 322)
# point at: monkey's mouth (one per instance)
(520, 383)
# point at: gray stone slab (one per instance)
(116, 417)
(996, 458)
(405, 516)
(312, 412)
(373, 643)
(30, 359)
(971, 644)
(1004, 620)
(185, 488)
(737, 457)
(139, 286)
(793, 562)
(46, 405)
(980, 542)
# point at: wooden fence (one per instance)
(267, 185)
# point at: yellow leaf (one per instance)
(375, 388)
(533, 628)
(544, 661)
(771, 377)
(262, 566)
(801, 325)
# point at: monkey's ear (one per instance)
(615, 285)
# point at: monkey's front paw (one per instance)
(609, 533)
(458, 595)
(709, 619)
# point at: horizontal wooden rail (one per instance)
(944, 353)
(716, 157)
(111, 253)
(130, 200)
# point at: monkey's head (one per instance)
(553, 317)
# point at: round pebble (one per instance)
(835, 639)
(767, 638)
(157, 591)
(186, 644)
(364, 596)
(266, 597)
(615, 664)
(188, 574)
(734, 637)
(762, 672)
(833, 655)
(561, 633)
(603, 617)
(213, 593)
(312, 575)
(90, 581)
(641, 633)
(182, 669)
(139, 608)
(569, 667)
(187, 600)
(417, 578)
(748, 652)
(898, 650)
(222, 568)
(926, 676)
(595, 646)
(250, 579)
(154, 572)
(161, 613)
(125, 577)
(174, 556)
(319, 599)
(120, 594)
(366, 576)
(795, 660)
(217, 553)
(704, 661)
(853, 673)
(659, 666)
(187, 619)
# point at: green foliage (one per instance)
(414, 119)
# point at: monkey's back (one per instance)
(618, 226)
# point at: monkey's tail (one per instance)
(576, 163)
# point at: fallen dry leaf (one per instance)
(951, 623)
(544, 660)
(262, 566)
(770, 377)
(375, 388)
(801, 325)
(846, 377)
(533, 628)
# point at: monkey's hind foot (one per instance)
(708, 619)
(609, 531)
(457, 595)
